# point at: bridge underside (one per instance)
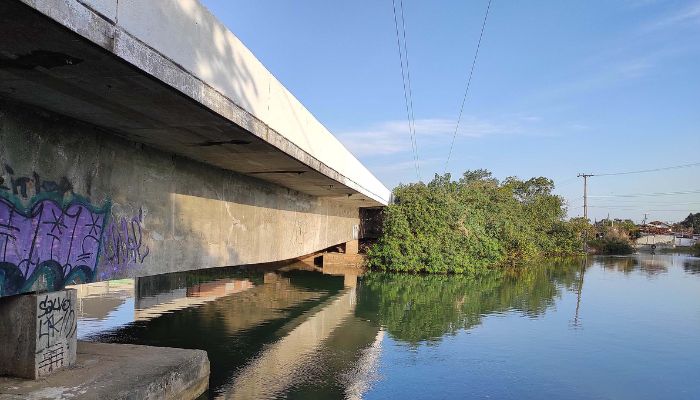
(45, 64)
(116, 162)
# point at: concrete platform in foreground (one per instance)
(119, 371)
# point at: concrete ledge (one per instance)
(343, 260)
(119, 371)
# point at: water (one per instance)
(602, 328)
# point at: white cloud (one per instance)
(634, 68)
(408, 165)
(393, 137)
(687, 15)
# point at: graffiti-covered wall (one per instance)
(78, 204)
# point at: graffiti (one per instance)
(48, 244)
(26, 186)
(47, 306)
(51, 237)
(123, 243)
(56, 319)
(56, 330)
(51, 358)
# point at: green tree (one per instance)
(473, 224)
(692, 221)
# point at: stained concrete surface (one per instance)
(154, 212)
(119, 371)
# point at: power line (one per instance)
(639, 209)
(624, 202)
(469, 82)
(410, 91)
(406, 91)
(642, 171)
(650, 194)
(586, 176)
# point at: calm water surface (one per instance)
(602, 328)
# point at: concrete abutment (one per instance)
(39, 333)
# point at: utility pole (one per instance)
(585, 194)
(585, 208)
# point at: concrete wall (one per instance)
(79, 204)
(685, 242)
(655, 239)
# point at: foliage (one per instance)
(614, 237)
(692, 221)
(627, 227)
(473, 224)
(696, 249)
(611, 245)
(583, 226)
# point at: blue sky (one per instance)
(559, 88)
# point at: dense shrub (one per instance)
(612, 240)
(611, 245)
(470, 225)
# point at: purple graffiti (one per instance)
(123, 244)
(59, 242)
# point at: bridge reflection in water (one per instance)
(297, 333)
(285, 332)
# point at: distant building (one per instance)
(656, 228)
(660, 225)
(658, 232)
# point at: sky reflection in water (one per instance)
(602, 328)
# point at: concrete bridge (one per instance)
(142, 137)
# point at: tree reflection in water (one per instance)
(692, 266)
(302, 334)
(417, 308)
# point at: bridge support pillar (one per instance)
(352, 247)
(38, 333)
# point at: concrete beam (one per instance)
(168, 74)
